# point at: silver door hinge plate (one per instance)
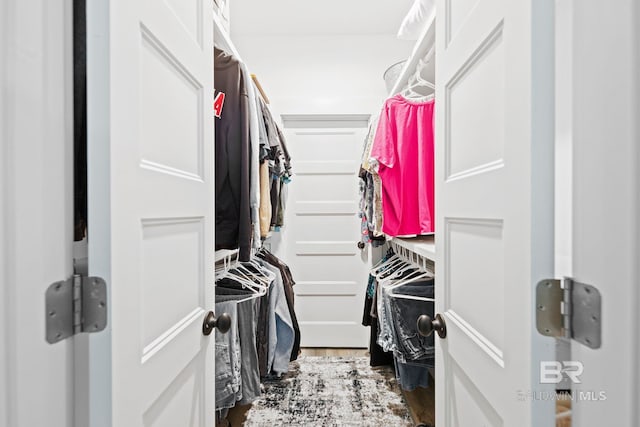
(75, 305)
(569, 309)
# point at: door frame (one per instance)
(93, 380)
(603, 131)
(36, 194)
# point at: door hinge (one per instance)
(75, 305)
(569, 309)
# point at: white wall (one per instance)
(310, 74)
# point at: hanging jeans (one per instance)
(227, 287)
(386, 335)
(414, 354)
(249, 371)
(411, 376)
(283, 337)
(227, 376)
(409, 344)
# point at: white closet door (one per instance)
(322, 233)
(151, 204)
(494, 205)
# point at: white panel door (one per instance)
(606, 203)
(151, 201)
(494, 204)
(323, 231)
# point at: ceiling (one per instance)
(325, 17)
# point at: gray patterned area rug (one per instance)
(331, 391)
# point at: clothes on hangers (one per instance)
(403, 148)
(370, 194)
(404, 313)
(281, 341)
(246, 137)
(233, 293)
(387, 337)
(232, 149)
(288, 282)
(247, 322)
(254, 158)
(265, 196)
(279, 167)
(227, 375)
(401, 293)
(377, 355)
(258, 294)
(240, 378)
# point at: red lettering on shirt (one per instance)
(218, 103)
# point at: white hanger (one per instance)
(383, 265)
(260, 276)
(255, 295)
(412, 277)
(385, 268)
(397, 274)
(379, 263)
(417, 84)
(243, 279)
(246, 283)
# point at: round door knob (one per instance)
(426, 326)
(361, 245)
(222, 322)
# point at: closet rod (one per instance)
(222, 254)
(410, 256)
(259, 87)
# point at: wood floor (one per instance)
(335, 352)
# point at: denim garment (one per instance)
(249, 372)
(409, 344)
(266, 319)
(262, 333)
(272, 333)
(288, 282)
(227, 377)
(266, 316)
(284, 334)
(411, 376)
(386, 334)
